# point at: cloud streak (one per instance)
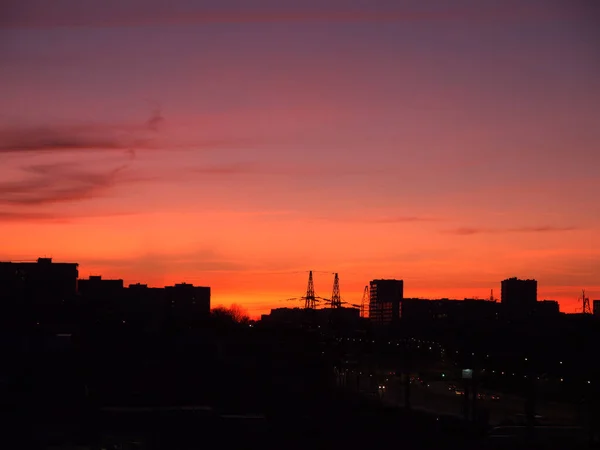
(21, 216)
(403, 219)
(58, 183)
(22, 139)
(469, 231)
(109, 137)
(202, 259)
(274, 169)
(390, 219)
(229, 169)
(39, 139)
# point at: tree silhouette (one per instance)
(235, 313)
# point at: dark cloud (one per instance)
(465, 231)
(56, 183)
(59, 138)
(79, 137)
(146, 136)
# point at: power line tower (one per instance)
(365, 301)
(586, 303)
(336, 299)
(310, 301)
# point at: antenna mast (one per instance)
(310, 301)
(586, 303)
(365, 301)
(336, 299)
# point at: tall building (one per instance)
(596, 308)
(385, 301)
(38, 293)
(102, 299)
(145, 306)
(519, 295)
(43, 282)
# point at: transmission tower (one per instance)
(586, 303)
(365, 301)
(310, 301)
(336, 299)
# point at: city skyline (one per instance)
(298, 302)
(450, 148)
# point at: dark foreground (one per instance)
(223, 388)
(338, 422)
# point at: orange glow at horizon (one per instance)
(241, 267)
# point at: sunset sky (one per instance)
(451, 144)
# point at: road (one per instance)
(436, 397)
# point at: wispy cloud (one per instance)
(381, 219)
(156, 119)
(23, 216)
(467, 231)
(202, 259)
(275, 169)
(27, 139)
(403, 219)
(79, 137)
(56, 183)
(542, 229)
(151, 134)
(227, 169)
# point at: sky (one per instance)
(240, 144)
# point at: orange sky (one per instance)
(449, 150)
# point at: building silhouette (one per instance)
(596, 308)
(96, 287)
(449, 310)
(45, 295)
(38, 294)
(187, 303)
(144, 306)
(385, 301)
(42, 281)
(519, 297)
(547, 308)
